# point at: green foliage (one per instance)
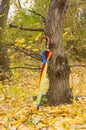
(27, 19)
(42, 6)
(74, 30)
(74, 35)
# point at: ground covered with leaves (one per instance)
(18, 107)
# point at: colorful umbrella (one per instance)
(46, 55)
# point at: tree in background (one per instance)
(74, 31)
(4, 61)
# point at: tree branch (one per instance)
(27, 52)
(24, 67)
(77, 65)
(30, 53)
(27, 29)
(19, 4)
(44, 19)
(81, 3)
(38, 57)
(36, 68)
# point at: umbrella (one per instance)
(46, 55)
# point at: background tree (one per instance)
(4, 61)
(74, 31)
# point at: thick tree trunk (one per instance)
(58, 71)
(4, 61)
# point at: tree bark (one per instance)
(4, 61)
(58, 70)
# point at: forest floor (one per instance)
(18, 109)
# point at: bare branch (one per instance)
(81, 3)
(30, 53)
(37, 68)
(26, 29)
(27, 52)
(19, 4)
(44, 19)
(77, 65)
(38, 56)
(24, 67)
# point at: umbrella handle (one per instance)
(47, 40)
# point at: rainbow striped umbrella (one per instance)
(46, 55)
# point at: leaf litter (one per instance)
(18, 109)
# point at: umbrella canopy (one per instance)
(46, 55)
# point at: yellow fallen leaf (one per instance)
(23, 127)
(28, 47)
(30, 41)
(21, 40)
(40, 126)
(36, 50)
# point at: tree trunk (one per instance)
(4, 61)
(58, 70)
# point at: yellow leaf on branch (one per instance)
(38, 36)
